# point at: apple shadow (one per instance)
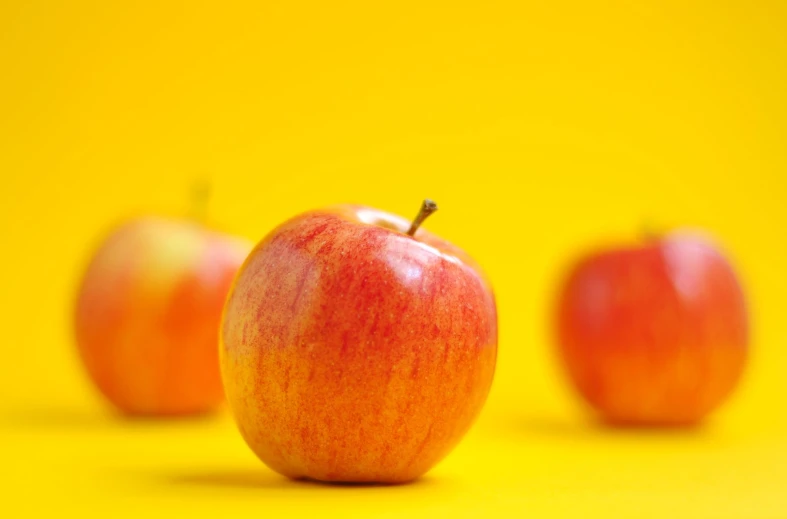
(77, 419)
(596, 428)
(55, 418)
(266, 479)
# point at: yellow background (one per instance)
(540, 128)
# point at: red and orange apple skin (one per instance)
(353, 352)
(148, 314)
(654, 335)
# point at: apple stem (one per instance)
(427, 208)
(649, 232)
(200, 194)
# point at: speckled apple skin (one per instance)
(148, 312)
(655, 335)
(353, 352)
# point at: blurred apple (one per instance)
(354, 349)
(655, 334)
(148, 314)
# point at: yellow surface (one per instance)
(540, 127)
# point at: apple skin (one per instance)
(148, 313)
(352, 352)
(655, 335)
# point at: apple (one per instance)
(148, 313)
(357, 348)
(654, 334)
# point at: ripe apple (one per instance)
(356, 350)
(655, 334)
(148, 315)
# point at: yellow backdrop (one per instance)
(540, 128)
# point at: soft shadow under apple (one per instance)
(266, 479)
(55, 418)
(64, 419)
(595, 428)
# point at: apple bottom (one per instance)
(388, 419)
(676, 386)
(167, 383)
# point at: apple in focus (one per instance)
(148, 313)
(655, 334)
(355, 349)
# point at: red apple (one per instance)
(148, 314)
(655, 334)
(356, 350)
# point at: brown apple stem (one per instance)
(648, 231)
(200, 194)
(427, 208)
